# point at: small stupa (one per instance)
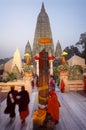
(17, 61)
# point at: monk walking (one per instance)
(23, 101)
(53, 106)
(11, 102)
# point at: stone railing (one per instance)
(75, 85)
(5, 87)
(26, 81)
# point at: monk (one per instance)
(53, 106)
(51, 83)
(11, 102)
(23, 102)
(62, 86)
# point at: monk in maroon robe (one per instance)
(11, 102)
(23, 102)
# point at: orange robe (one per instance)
(62, 86)
(53, 106)
(24, 114)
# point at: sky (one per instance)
(18, 20)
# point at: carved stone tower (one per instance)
(58, 51)
(58, 55)
(28, 50)
(43, 30)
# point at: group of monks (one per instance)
(21, 99)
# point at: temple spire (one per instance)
(43, 8)
(58, 51)
(43, 29)
(28, 48)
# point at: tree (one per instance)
(11, 76)
(82, 43)
(71, 50)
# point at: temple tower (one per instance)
(43, 30)
(58, 55)
(28, 51)
(28, 48)
(58, 51)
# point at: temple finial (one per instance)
(43, 8)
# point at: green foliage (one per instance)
(27, 68)
(71, 50)
(76, 72)
(63, 67)
(15, 70)
(11, 76)
(55, 72)
(82, 42)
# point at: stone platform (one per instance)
(72, 113)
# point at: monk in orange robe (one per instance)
(53, 106)
(23, 103)
(62, 86)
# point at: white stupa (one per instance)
(17, 60)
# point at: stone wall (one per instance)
(71, 85)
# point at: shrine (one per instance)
(44, 61)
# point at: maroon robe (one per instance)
(11, 102)
(23, 104)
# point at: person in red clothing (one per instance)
(53, 106)
(62, 86)
(23, 101)
(51, 83)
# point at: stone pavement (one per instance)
(6, 124)
(72, 113)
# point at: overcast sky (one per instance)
(18, 22)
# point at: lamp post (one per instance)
(63, 57)
(27, 56)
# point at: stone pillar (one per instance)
(28, 77)
(37, 63)
(51, 58)
(37, 67)
(51, 67)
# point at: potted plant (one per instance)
(63, 69)
(28, 70)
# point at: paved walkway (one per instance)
(72, 113)
(5, 123)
